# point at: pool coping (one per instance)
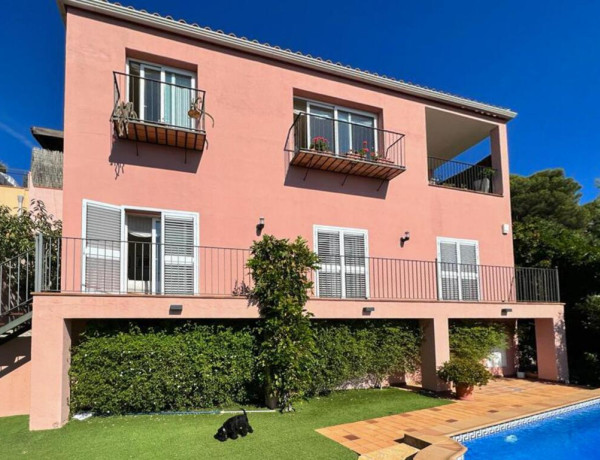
(492, 428)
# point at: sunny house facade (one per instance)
(183, 145)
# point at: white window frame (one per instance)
(342, 231)
(458, 241)
(336, 109)
(124, 246)
(163, 70)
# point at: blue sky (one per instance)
(539, 58)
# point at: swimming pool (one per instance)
(570, 433)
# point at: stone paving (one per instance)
(501, 400)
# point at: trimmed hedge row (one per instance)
(118, 369)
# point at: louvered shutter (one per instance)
(355, 265)
(329, 275)
(448, 270)
(469, 276)
(179, 254)
(102, 248)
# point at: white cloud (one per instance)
(17, 135)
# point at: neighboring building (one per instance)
(44, 180)
(360, 165)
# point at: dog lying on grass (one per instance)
(233, 427)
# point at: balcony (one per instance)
(465, 176)
(75, 265)
(158, 112)
(329, 144)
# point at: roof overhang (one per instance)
(272, 52)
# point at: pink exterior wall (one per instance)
(55, 315)
(52, 198)
(15, 376)
(244, 172)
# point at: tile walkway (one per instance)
(501, 400)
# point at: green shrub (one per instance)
(133, 371)
(353, 350)
(120, 368)
(476, 339)
(465, 371)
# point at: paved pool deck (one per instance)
(500, 401)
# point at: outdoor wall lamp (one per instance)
(506, 311)
(175, 309)
(404, 239)
(368, 310)
(261, 224)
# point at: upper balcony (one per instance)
(463, 153)
(159, 107)
(348, 144)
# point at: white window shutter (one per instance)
(102, 248)
(448, 270)
(355, 265)
(469, 276)
(180, 254)
(329, 276)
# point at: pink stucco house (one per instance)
(161, 204)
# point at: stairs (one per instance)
(16, 286)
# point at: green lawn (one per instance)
(276, 436)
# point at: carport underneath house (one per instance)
(59, 317)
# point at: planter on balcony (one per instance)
(385, 161)
(355, 156)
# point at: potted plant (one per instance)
(320, 144)
(465, 374)
(485, 183)
(360, 154)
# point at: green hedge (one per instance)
(128, 368)
(160, 369)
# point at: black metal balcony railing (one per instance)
(461, 175)
(159, 112)
(342, 146)
(79, 265)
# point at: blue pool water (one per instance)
(571, 435)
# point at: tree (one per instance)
(280, 273)
(17, 230)
(552, 229)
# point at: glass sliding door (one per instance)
(321, 125)
(178, 95)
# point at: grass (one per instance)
(276, 436)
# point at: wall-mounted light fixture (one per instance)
(404, 239)
(175, 309)
(505, 229)
(260, 225)
(505, 311)
(368, 310)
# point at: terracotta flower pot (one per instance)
(464, 391)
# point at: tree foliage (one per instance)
(552, 229)
(280, 273)
(476, 339)
(17, 230)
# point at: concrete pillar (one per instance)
(50, 361)
(435, 351)
(550, 338)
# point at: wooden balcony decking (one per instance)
(162, 134)
(327, 161)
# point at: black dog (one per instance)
(234, 426)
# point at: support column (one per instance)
(550, 338)
(50, 361)
(435, 351)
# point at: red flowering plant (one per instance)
(320, 144)
(365, 151)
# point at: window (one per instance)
(161, 94)
(343, 255)
(345, 129)
(138, 250)
(458, 269)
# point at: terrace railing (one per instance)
(461, 175)
(122, 267)
(343, 139)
